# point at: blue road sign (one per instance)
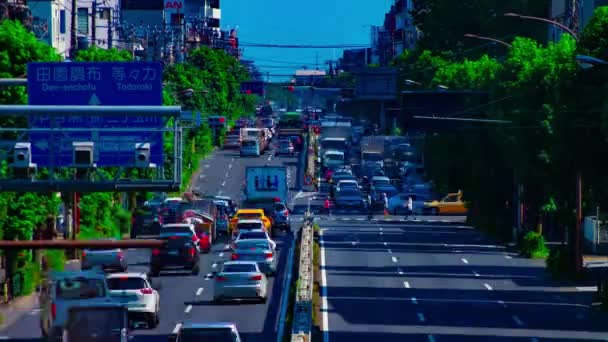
(96, 84)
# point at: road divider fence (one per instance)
(302, 311)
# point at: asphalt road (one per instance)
(414, 281)
(187, 297)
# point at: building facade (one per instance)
(95, 23)
(573, 13)
(396, 35)
(309, 77)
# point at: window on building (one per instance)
(83, 21)
(62, 28)
(105, 14)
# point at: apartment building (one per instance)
(571, 13)
(95, 23)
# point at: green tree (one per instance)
(594, 40)
(95, 54)
(445, 23)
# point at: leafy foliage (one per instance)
(95, 54)
(533, 246)
(594, 40)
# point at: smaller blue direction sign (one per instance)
(96, 84)
(253, 87)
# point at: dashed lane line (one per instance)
(517, 320)
(406, 284)
(199, 291)
(385, 243)
(414, 300)
(502, 303)
(475, 273)
(221, 255)
(394, 259)
(488, 286)
(390, 251)
(214, 265)
(431, 338)
(421, 317)
(178, 326)
(188, 309)
(465, 260)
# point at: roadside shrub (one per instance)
(533, 246)
(55, 259)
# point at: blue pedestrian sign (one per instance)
(96, 84)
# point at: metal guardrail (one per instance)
(302, 311)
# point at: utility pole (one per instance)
(73, 40)
(94, 24)
(110, 29)
(578, 262)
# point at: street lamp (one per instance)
(588, 62)
(469, 35)
(552, 22)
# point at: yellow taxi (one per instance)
(450, 204)
(246, 214)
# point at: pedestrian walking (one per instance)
(327, 206)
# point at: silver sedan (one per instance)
(258, 250)
(240, 280)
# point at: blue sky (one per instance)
(300, 22)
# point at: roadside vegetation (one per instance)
(214, 77)
(538, 87)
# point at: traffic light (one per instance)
(216, 121)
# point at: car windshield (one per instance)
(176, 229)
(279, 207)
(349, 193)
(234, 268)
(95, 322)
(381, 182)
(249, 225)
(248, 143)
(333, 145)
(243, 244)
(126, 283)
(372, 156)
(249, 216)
(207, 335)
(252, 235)
(334, 156)
(80, 288)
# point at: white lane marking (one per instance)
(381, 228)
(221, 255)
(414, 300)
(188, 309)
(223, 183)
(431, 338)
(465, 260)
(199, 291)
(475, 273)
(517, 320)
(445, 245)
(394, 259)
(390, 250)
(586, 288)
(207, 166)
(508, 257)
(178, 326)
(400, 271)
(269, 157)
(385, 243)
(229, 166)
(226, 247)
(381, 233)
(501, 302)
(488, 286)
(406, 284)
(324, 306)
(208, 276)
(421, 317)
(214, 265)
(360, 219)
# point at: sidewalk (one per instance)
(13, 311)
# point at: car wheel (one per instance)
(196, 269)
(152, 320)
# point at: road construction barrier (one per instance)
(302, 311)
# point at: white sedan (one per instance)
(135, 291)
(255, 234)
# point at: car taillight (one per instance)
(220, 278)
(146, 291)
(194, 238)
(54, 310)
(156, 251)
(256, 277)
(192, 252)
(286, 213)
(84, 254)
(121, 255)
(234, 256)
(268, 255)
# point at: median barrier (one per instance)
(302, 311)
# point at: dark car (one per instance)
(349, 198)
(180, 252)
(378, 198)
(147, 221)
(102, 322)
(280, 217)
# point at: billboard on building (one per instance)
(142, 4)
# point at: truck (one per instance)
(372, 152)
(265, 186)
